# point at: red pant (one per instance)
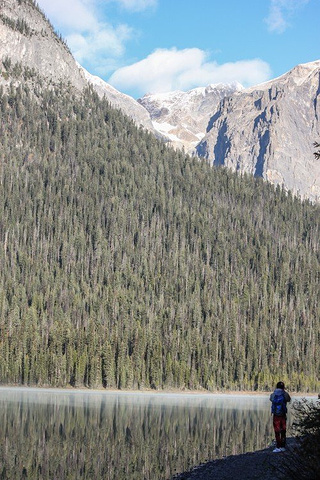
(279, 425)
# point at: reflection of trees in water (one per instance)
(120, 438)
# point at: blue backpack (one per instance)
(279, 406)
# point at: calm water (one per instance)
(54, 434)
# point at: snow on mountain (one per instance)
(183, 117)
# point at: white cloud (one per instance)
(167, 70)
(137, 5)
(280, 12)
(91, 39)
(100, 47)
(96, 45)
(71, 14)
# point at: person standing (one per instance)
(279, 399)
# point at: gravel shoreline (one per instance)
(262, 465)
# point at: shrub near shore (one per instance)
(304, 460)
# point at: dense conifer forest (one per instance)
(125, 264)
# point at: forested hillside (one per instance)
(125, 264)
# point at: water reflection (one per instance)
(52, 434)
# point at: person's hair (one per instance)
(280, 385)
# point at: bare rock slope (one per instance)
(27, 38)
(269, 131)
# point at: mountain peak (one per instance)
(297, 75)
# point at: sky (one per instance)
(153, 46)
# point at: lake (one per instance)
(59, 434)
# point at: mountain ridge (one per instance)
(269, 130)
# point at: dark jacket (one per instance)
(277, 392)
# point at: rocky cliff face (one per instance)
(27, 38)
(269, 130)
(29, 44)
(183, 117)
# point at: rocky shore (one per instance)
(260, 465)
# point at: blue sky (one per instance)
(141, 46)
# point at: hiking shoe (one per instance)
(277, 450)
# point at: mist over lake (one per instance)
(48, 434)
